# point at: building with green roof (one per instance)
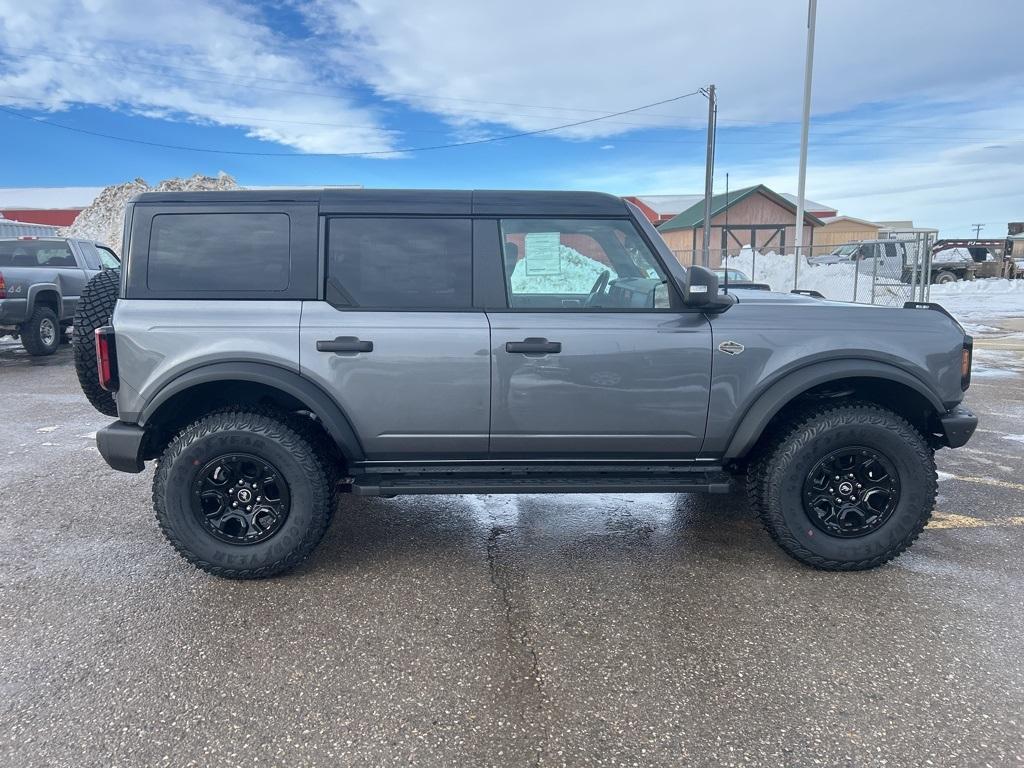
(755, 216)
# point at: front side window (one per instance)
(219, 252)
(580, 264)
(400, 263)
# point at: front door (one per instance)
(396, 341)
(594, 358)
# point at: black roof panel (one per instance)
(414, 201)
(214, 197)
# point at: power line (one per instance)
(209, 150)
(826, 140)
(725, 141)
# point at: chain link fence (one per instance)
(889, 271)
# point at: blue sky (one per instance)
(918, 113)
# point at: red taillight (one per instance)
(106, 358)
(3, 287)
(966, 357)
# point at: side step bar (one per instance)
(422, 480)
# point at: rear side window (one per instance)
(35, 253)
(396, 263)
(219, 252)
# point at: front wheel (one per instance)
(846, 487)
(242, 495)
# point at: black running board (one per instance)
(436, 480)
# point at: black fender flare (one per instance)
(33, 292)
(319, 403)
(795, 383)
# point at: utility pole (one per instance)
(977, 230)
(709, 172)
(812, 8)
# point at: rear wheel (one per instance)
(242, 495)
(846, 487)
(95, 307)
(40, 334)
(944, 276)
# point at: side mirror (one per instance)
(701, 287)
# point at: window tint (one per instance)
(219, 252)
(580, 264)
(395, 263)
(35, 253)
(90, 253)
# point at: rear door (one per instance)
(396, 339)
(593, 356)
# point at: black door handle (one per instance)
(344, 344)
(534, 346)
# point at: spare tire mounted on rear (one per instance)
(95, 307)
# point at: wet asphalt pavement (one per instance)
(500, 630)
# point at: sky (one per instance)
(917, 106)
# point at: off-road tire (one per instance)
(776, 477)
(95, 307)
(266, 437)
(326, 451)
(31, 334)
(944, 276)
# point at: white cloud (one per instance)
(199, 60)
(476, 62)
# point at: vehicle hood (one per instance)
(778, 298)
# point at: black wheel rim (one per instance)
(851, 492)
(240, 498)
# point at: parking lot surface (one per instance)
(500, 630)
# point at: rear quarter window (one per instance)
(220, 252)
(35, 253)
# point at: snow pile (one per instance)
(103, 221)
(952, 254)
(974, 301)
(577, 274)
(833, 281)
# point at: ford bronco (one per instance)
(272, 350)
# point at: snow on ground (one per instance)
(990, 310)
(981, 299)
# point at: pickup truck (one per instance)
(40, 282)
(952, 260)
(970, 259)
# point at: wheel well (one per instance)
(892, 395)
(193, 403)
(49, 299)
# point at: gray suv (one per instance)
(274, 350)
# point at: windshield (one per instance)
(846, 250)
